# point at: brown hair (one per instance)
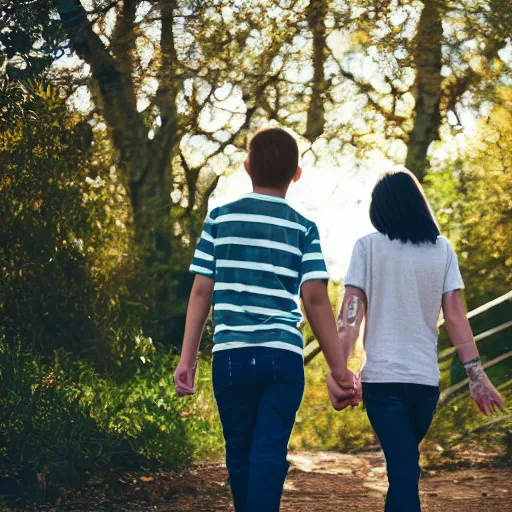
(273, 157)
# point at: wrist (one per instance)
(474, 369)
(189, 360)
(341, 373)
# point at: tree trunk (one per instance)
(316, 13)
(145, 164)
(427, 88)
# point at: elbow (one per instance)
(314, 294)
(312, 301)
(453, 317)
(449, 322)
(202, 288)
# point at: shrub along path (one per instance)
(317, 482)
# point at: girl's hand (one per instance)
(485, 396)
(358, 397)
(481, 389)
(184, 378)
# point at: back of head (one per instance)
(273, 158)
(400, 210)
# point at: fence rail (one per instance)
(446, 354)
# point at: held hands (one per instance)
(343, 393)
(184, 378)
(482, 391)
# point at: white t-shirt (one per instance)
(404, 285)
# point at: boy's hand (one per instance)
(341, 397)
(184, 377)
(344, 378)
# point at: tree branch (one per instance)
(123, 37)
(367, 89)
(100, 11)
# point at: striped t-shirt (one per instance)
(259, 251)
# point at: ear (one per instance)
(297, 175)
(247, 167)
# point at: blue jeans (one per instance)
(401, 415)
(258, 392)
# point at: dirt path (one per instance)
(317, 482)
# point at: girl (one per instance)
(398, 280)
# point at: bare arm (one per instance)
(319, 313)
(197, 312)
(460, 333)
(350, 318)
(458, 328)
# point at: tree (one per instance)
(180, 82)
(409, 69)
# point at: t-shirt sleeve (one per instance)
(452, 279)
(312, 265)
(357, 271)
(203, 262)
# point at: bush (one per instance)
(65, 255)
(62, 423)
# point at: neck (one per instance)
(276, 192)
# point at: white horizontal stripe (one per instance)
(239, 287)
(266, 197)
(313, 256)
(258, 327)
(257, 310)
(270, 344)
(257, 242)
(252, 265)
(315, 242)
(201, 270)
(320, 274)
(206, 236)
(202, 255)
(262, 219)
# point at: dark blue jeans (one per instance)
(401, 415)
(258, 392)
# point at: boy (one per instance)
(257, 256)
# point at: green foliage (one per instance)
(65, 423)
(64, 257)
(473, 198)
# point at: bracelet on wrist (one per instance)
(471, 362)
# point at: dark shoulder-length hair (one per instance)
(400, 210)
